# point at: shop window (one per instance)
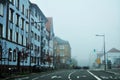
(0, 52)
(1, 30)
(10, 54)
(14, 55)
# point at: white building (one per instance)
(112, 58)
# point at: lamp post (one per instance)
(104, 50)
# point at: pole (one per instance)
(104, 51)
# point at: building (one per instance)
(37, 23)
(49, 27)
(62, 52)
(15, 34)
(22, 35)
(112, 58)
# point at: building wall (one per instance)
(21, 40)
(62, 53)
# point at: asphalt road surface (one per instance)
(73, 75)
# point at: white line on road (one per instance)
(70, 75)
(53, 77)
(78, 76)
(94, 75)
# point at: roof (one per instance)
(113, 50)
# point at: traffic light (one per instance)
(94, 50)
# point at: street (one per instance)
(73, 75)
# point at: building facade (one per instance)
(22, 35)
(50, 37)
(37, 21)
(62, 51)
(15, 34)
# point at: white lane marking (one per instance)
(59, 77)
(70, 75)
(78, 76)
(94, 75)
(53, 77)
(104, 77)
(84, 76)
(35, 78)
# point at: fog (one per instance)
(78, 21)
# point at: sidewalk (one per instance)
(13, 76)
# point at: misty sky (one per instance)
(78, 21)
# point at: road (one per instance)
(73, 75)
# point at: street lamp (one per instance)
(104, 50)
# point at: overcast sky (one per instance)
(78, 21)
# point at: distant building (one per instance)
(49, 27)
(62, 52)
(112, 58)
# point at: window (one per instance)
(1, 29)
(22, 39)
(22, 20)
(35, 24)
(32, 34)
(17, 20)
(17, 4)
(27, 24)
(11, 15)
(14, 55)
(10, 54)
(1, 9)
(27, 13)
(23, 9)
(11, 34)
(32, 22)
(0, 52)
(36, 12)
(26, 40)
(39, 27)
(39, 17)
(17, 37)
(38, 38)
(35, 36)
